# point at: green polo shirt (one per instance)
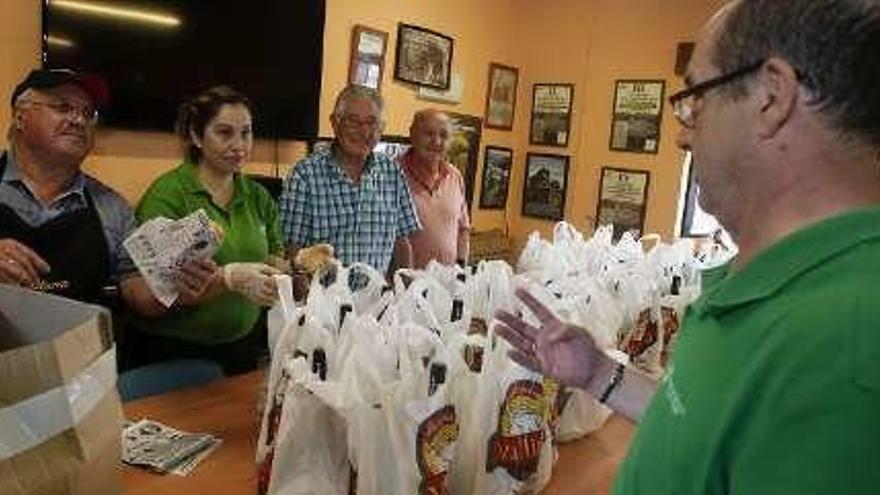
(774, 387)
(251, 232)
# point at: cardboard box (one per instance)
(60, 414)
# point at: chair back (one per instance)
(166, 376)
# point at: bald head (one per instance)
(429, 133)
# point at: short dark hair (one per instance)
(194, 115)
(833, 44)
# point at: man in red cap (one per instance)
(61, 230)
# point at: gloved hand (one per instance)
(254, 281)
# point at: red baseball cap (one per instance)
(93, 84)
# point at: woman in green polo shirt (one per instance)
(216, 127)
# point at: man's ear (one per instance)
(778, 91)
(196, 140)
(18, 119)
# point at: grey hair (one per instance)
(12, 130)
(832, 44)
(352, 92)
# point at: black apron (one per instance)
(73, 244)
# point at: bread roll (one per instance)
(313, 258)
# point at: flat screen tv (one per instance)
(156, 53)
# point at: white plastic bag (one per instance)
(310, 454)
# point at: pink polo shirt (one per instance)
(442, 210)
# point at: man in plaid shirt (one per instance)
(356, 200)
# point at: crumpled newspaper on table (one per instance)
(164, 449)
(161, 246)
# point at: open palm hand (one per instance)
(557, 349)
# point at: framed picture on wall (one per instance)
(464, 149)
(424, 57)
(638, 109)
(367, 57)
(545, 186)
(623, 200)
(393, 146)
(501, 96)
(496, 177)
(551, 114)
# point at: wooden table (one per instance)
(227, 408)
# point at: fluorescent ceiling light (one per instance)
(59, 41)
(115, 11)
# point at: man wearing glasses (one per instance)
(774, 386)
(349, 197)
(60, 230)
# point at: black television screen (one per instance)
(156, 53)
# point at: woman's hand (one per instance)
(255, 281)
(194, 280)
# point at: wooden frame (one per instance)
(545, 186)
(464, 149)
(495, 184)
(551, 114)
(367, 63)
(623, 199)
(423, 57)
(637, 115)
(501, 96)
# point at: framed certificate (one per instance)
(367, 57)
(638, 109)
(623, 200)
(551, 114)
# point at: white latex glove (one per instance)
(254, 281)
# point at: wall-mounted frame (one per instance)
(464, 149)
(423, 57)
(393, 146)
(623, 199)
(638, 111)
(551, 114)
(501, 96)
(367, 64)
(497, 162)
(545, 186)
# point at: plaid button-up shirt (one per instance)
(320, 203)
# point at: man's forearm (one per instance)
(402, 255)
(464, 246)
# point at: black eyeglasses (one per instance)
(683, 101)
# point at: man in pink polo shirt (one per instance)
(438, 192)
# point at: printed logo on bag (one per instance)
(473, 356)
(264, 469)
(435, 441)
(478, 325)
(555, 396)
(646, 331)
(516, 444)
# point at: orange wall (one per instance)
(589, 44)
(592, 44)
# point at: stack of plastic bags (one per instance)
(404, 388)
(394, 391)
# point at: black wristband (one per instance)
(616, 378)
